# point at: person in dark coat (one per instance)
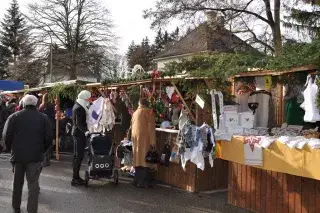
(28, 134)
(79, 129)
(11, 105)
(48, 109)
(4, 114)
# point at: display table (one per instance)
(288, 181)
(192, 179)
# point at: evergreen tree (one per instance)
(14, 39)
(131, 49)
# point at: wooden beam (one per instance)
(208, 83)
(183, 101)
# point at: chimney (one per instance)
(211, 17)
(220, 21)
(214, 20)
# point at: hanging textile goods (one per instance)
(310, 96)
(101, 115)
(195, 144)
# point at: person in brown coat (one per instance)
(143, 135)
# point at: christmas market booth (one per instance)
(181, 104)
(271, 141)
(62, 95)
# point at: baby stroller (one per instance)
(101, 159)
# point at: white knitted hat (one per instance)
(84, 95)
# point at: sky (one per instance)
(127, 16)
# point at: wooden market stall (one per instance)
(288, 180)
(191, 179)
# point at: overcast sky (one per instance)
(127, 16)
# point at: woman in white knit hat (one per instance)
(79, 129)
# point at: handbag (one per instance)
(152, 156)
(165, 156)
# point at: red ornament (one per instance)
(175, 98)
(155, 74)
(161, 116)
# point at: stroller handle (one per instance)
(94, 133)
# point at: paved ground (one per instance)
(57, 196)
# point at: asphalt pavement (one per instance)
(58, 196)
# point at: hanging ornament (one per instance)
(175, 98)
(169, 91)
(155, 74)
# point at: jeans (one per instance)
(78, 155)
(32, 173)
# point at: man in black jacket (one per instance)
(79, 129)
(28, 134)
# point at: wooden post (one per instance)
(183, 101)
(197, 109)
(57, 126)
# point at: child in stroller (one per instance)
(101, 158)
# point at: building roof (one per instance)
(207, 38)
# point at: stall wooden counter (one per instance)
(288, 181)
(192, 179)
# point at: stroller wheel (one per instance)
(116, 176)
(86, 179)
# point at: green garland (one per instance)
(65, 91)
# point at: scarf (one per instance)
(84, 104)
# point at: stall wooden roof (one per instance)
(147, 81)
(274, 73)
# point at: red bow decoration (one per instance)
(155, 74)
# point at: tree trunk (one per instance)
(73, 72)
(276, 30)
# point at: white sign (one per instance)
(200, 101)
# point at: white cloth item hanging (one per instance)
(95, 113)
(310, 96)
(108, 118)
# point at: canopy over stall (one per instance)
(7, 85)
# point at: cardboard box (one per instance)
(231, 119)
(246, 120)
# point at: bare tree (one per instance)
(78, 26)
(252, 18)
